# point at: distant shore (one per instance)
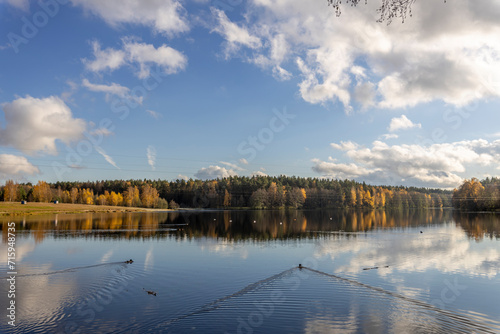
(36, 208)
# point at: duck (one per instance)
(150, 292)
(129, 261)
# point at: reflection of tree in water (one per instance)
(478, 225)
(259, 225)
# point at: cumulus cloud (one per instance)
(437, 165)
(151, 155)
(108, 59)
(340, 170)
(258, 173)
(12, 165)
(140, 55)
(34, 125)
(232, 165)
(402, 123)
(214, 172)
(444, 52)
(164, 16)
(243, 161)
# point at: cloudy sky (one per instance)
(171, 89)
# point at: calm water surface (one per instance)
(431, 271)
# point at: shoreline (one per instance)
(37, 208)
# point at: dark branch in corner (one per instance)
(389, 10)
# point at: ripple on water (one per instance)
(308, 302)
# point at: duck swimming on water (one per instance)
(129, 261)
(150, 292)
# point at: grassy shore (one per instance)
(34, 208)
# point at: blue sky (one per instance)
(93, 90)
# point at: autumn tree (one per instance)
(42, 192)
(259, 199)
(101, 199)
(10, 191)
(227, 199)
(468, 196)
(173, 205)
(87, 196)
(131, 197)
(352, 197)
(73, 194)
(149, 196)
(296, 197)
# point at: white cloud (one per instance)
(101, 132)
(21, 4)
(344, 146)
(214, 172)
(164, 16)
(444, 52)
(182, 177)
(438, 165)
(67, 94)
(170, 60)
(243, 161)
(232, 165)
(114, 88)
(11, 165)
(108, 59)
(258, 173)
(234, 35)
(106, 157)
(36, 124)
(154, 114)
(390, 136)
(142, 55)
(402, 123)
(151, 154)
(339, 170)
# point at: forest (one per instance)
(259, 192)
(475, 195)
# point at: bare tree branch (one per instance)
(389, 9)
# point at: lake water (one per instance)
(430, 271)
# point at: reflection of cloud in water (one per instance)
(105, 258)
(40, 298)
(446, 249)
(149, 260)
(22, 249)
(223, 247)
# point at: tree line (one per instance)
(475, 195)
(259, 192)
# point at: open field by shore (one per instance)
(35, 208)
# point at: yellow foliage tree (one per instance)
(87, 196)
(42, 192)
(149, 196)
(10, 191)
